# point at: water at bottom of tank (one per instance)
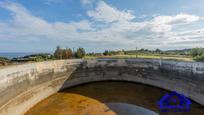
(106, 98)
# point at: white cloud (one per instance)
(119, 30)
(165, 23)
(25, 25)
(180, 18)
(107, 13)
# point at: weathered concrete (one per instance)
(23, 86)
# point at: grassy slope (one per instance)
(178, 58)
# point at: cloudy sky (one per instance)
(96, 25)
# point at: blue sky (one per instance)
(96, 25)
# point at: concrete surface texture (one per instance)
(23, 86)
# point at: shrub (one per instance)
(80, 53)
(199, 58)
(106, 52)
(39, 59)
(4, 59)
(196, 52)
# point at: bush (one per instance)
(106, 52)
(39, 59)
(4, 59)
(121, 52)
(110, 53)
(196, 52)
(158, 51)
(199, 58)
(80, 53)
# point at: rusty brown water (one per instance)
(107, 98)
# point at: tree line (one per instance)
(197, 54)
(140, 51)
(68, 53)
(111, 52)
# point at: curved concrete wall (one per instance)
(23, 86)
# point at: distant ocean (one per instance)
(13, 55)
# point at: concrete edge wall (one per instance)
(22, 86)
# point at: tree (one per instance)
(199, 58)
(58, 53)
(121, 52)
(112, 53)
(64, 54)
(106, 52)
(67, 53)
(158, 51)
(196, 52)
(80, 53)
(124, 51)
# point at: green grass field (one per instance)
(169, 57)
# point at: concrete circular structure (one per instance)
(23, 86)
